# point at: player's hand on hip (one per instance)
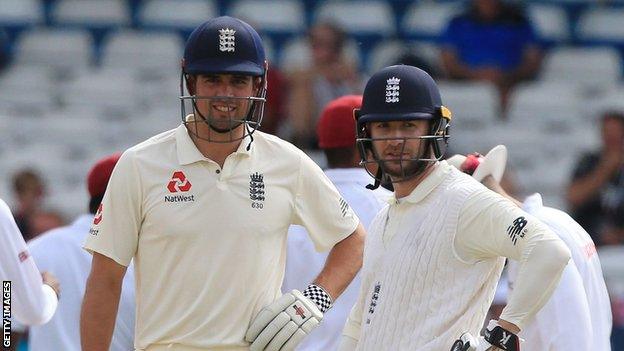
(282, 325)
(494, 338)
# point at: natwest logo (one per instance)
(98, 215)
(178, 182)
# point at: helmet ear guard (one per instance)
(441, 130)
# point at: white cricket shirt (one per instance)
(433, 259)
(210, 244)
(303, 263)
(578, 314)
(32, 302)
(60, 251)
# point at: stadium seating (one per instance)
(475, 105)
(428, 20)
(20, 13)
(296, 54)
(601, 26)
(271, 16)
(379, 23)
(40, 47)
(593, 67)
(182, 15)
(550, 22)
(94, 14)
(147, 51)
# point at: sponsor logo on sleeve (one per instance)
(344, 207)
(517, 229)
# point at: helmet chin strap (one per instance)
(377, 178)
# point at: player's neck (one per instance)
(404, 188)
(217, 152)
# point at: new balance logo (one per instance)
(226, 40)
(344, 207)
(179, 183)
(392, 90)
(516, 229)
(505, 339)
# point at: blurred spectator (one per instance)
(44, 220)
(60, 252)
(596, 194)
(492, 41)
(275, 107)
(330, 76)
(29, 192)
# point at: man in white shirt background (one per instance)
(578, 314)
(60, 251)
(336, 137)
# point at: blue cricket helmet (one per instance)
(224, 45)
(399, 93)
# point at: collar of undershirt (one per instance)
(440, 171)
(189, 153)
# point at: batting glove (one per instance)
(494, 338)
(282, 325)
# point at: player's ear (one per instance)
(257, 83)
(191, 82)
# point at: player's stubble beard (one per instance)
(233, 128)
(405, 169)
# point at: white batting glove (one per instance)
(282, 325)
(494, 338)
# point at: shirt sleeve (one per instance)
(116, 225)
(491, 226)
(33, 302)
(320, 208)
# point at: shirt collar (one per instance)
(189, 153)
(533, 203)
(440, 171)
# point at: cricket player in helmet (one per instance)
(407, 96)
(435, 253)
(210, 51)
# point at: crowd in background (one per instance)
(489, 41)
